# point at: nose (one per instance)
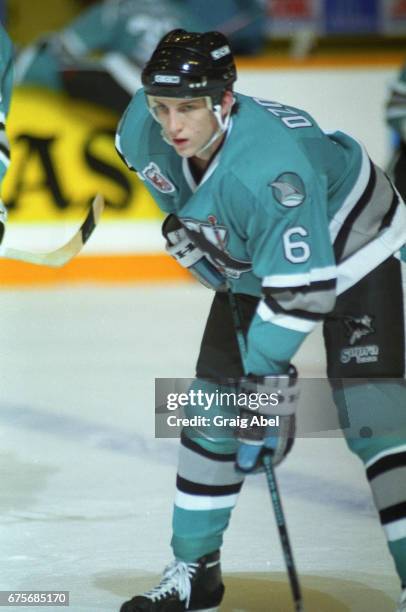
(175, 124)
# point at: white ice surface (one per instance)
(86, 490)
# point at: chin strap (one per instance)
(222, 122)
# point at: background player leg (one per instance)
(365, 344)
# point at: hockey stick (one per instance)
(271, 480)
(283, 532)
(61, 256)
(266, 459)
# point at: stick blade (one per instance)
(62, 255)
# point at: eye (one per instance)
(160, 109)
(188, 107)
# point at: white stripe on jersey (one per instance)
(399, 87)
(298, 280)
(389, 451)
(73, 43)
(22, 63)
(204, 502)
(124, 71)
(284, 320)
(4, 159)
(396, 530)
(117, 143)
(352, 198)
(351, 270)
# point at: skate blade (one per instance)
(208, 610)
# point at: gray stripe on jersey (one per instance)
(387, 489)
(203, 470)
(368, 223)
(351, 200)
(388, 242)
(321, 301)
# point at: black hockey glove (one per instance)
(267, 419)
(189, 256)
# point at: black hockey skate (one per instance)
(184, 586)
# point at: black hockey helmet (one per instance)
(190, 64)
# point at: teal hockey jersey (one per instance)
(130, 30)
(284, 210)
(118, 30)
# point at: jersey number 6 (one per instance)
(296, 251)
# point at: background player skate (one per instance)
(304, 228)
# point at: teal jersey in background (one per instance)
(396, 118)
(396, 104)
(273, 211)
(132, 29)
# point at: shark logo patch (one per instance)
(288, 189)
(358, 327)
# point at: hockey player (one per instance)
(124, 33)
(300, 227)
(6, 84)
(396, 118)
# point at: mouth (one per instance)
(179, 142)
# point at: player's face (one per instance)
(188, 124)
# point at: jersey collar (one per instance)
(187, 173)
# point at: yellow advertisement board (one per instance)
(27, 19)
(62, 154)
